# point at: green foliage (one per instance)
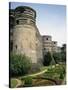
(63, 56)
(28, 81)
(61, 75)
(57, 72)
(19, 65)
(64, 70)
(63, 53)
(57, 57)
(47, 59)
(13, 83)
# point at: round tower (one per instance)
(47, 43)
(24, 35)
(25, 15)
(54, 46)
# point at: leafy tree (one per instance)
(63, 53)
(57, 57)
(19, 64)
(63, 56)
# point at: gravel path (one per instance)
(19, 83)
(39, 73)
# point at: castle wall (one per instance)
(47, 44)
(25, 41)
(54, 46)
(26, 37)
(39, 47)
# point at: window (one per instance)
(46, 38)
(54, 42)
(44, 48)
(17, 22)
(16, 46)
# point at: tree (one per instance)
(63, 53)
(61, 75)
(47, 59)
(57, 57)
(19, 65)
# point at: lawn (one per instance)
(13, 83)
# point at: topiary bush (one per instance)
(28, 81)
(61, 75)
(47, 59)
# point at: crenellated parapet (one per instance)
(25, 15)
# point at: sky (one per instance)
(50, 20)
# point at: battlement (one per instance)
(46, 38)
(24, 14)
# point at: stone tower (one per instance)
(26, 37)
(54, 46)
(47, 44)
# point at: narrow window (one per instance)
(16, 46)
(54, 42)
(46, 38)
(44, 48)
(17, 22)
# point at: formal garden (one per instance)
(24, 74)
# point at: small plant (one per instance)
(61, 76)
(64, 70)
(28, 81)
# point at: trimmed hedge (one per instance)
(28, 81)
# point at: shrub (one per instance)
(61, 75)
(19, 65)
(63, 57)
(47, 59)
(64, 71)
(28, 81)
(57, 57)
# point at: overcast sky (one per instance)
(50, 20)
